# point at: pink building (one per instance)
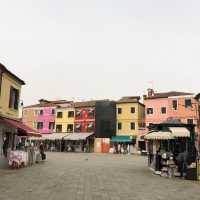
(171, 105)
(42, 116)
(45, 119)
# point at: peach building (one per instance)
(171, 105)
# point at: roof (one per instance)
(167, 94)
(172, 133)
(4, 69)
(91, 103)
(42, 105)
(159, 135)
(129, 99)
(46, 103)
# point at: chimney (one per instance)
(150, 92)
(43, 101)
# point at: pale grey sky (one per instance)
(101, 48)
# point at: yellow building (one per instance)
(10, 125)
(65, 117)
(10, 90)
(130, 116)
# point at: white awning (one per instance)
(77, 136)
(180, 132)
(53, 136)
(160, 135)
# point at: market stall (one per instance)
(52, 142)
(171, 150)
(79, 142)
(123, 144)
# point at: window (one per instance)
(59, 114)
(119, 110)
(91, 113)
(78, 127)
(188, 103)
(35, 125)
(190, 121)
(53, 112)
(51, 125)
(58, 128)
(71, 114)
(14, 98)
(141, 125)
(175, 104)
(41, 112)
(78, 113)
(70, 128)
(133, 110)
(132, 125)
(149, 111)
(163, 110)
(119, 126)
(91, 126)
(40, 125)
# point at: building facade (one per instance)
(98, 117)
(10, 90)
(42, 116)
(10, 93)
(171, 105)
(130, 116)
(85, 116)
(65, 119)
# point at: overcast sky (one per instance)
(90, 49)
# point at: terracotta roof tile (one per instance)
(167, 94)
(129, 99)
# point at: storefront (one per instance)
(79, 142)
(52, 142)
(123, 144)
(10, 133)
(171, 150)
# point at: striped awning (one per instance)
(180, 132)
(160, 135)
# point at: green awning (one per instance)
(123, 139)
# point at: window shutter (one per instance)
(1, 77)
(11, 97)
(16, 103)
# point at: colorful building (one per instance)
(98, 117)
(171, 105)
(85, 114)
(42, 116)
(10, 124)
(65, 118)
(130, 116)
(10, 89)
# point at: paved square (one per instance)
(93, 177)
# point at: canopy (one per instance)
(53, 136)
(78, 136)
(123, 139)
(20, 126)
(180, 131)
(160, 135)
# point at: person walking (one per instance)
(43, 155)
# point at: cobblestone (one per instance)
(93, 177)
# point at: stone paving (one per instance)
(93, 177)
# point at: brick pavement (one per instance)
(93, 177)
